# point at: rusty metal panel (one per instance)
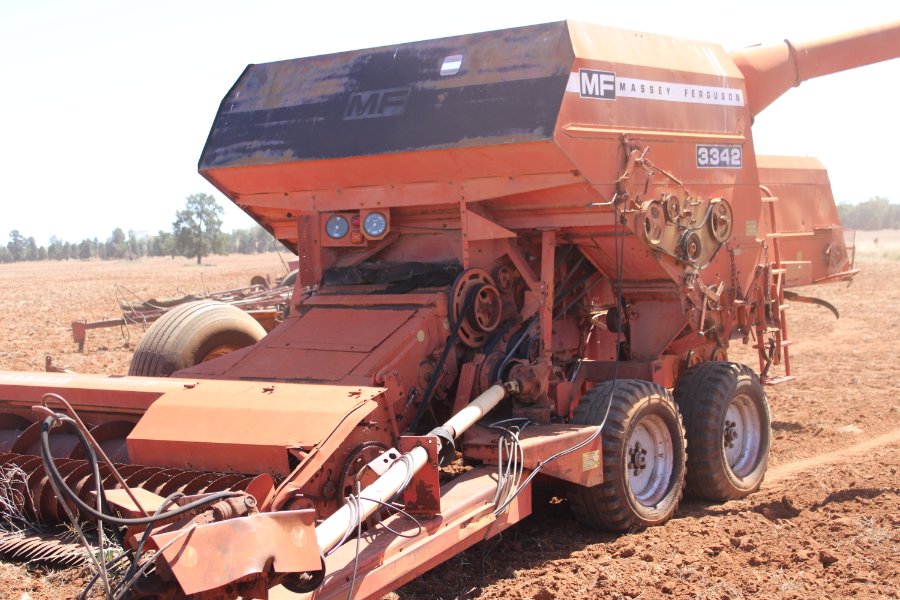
(104, 398)
(506, 87)
(243, 427)
(423, 494)
(583, 466)
(323, 344)
(223, 552)
(803, 191)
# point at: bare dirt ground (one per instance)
(41, 299)
(825, 525)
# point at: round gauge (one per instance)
(336, 227)
(375, 224)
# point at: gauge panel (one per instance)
(336, 227)
(375, 223)
(356, 228)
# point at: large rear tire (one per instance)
(643, 456)
(191, 334)
(728, 425)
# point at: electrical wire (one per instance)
(400, 510)
(109, 566)
(147, 564)
(509, 476)
(140, 547)
(358, 540)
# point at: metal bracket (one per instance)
(423, 494)
(384, 462)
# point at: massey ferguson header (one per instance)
(527, 249)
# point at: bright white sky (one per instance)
(106, 105)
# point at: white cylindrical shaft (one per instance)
(475, 410)
(332, 530)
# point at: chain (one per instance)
(768, 288)
(735, 281)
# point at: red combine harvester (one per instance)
(532, 247)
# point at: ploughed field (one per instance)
(825, 525)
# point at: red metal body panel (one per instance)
(271, 543)
(582, 467)
(216, 426)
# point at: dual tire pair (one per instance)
(711, 441)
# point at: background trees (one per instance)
(876, 213)
(197, 228)
(197, 232)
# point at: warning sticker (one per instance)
(590, 460)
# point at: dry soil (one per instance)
(825, 525)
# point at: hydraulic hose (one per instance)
(53, 473)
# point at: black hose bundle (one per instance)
(104, 516)
(53, 473)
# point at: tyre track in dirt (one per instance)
(779, 474)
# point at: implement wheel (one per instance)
(643, 456)
(726, 416)
(191, 334)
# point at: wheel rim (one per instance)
(220, 351)
(742, 435)
(650, 460)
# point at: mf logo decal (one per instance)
(597, 84)
(377, 103)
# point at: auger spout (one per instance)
(769, 71)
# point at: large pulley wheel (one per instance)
(643, 456)
(193, 333)
(726, 416)
(690, 246)
(652, 221)
(721, 221)
(475, 301)
(673, 207)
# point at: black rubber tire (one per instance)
(704, 393)
(612, 505)
(289, 279)
(185, 335)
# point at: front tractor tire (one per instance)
(726, 416)
(643, 456)
(193, 333)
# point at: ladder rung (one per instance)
(774, 235)
(772, 199)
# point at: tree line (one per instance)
(874, 214)
(196, 232)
